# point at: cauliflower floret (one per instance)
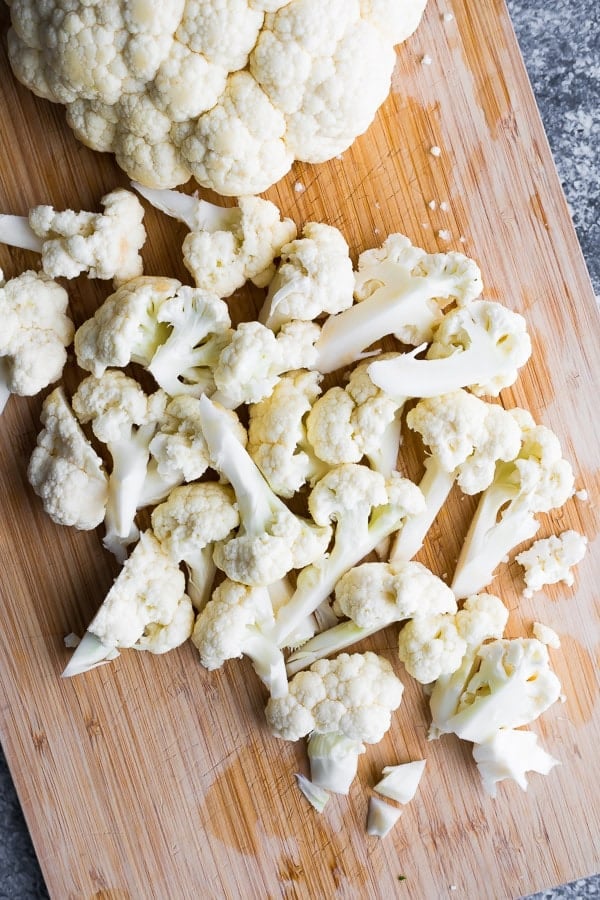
(188, 523)
(550, 560)
(277, 439)
(359, 420)
(481, 346)
(146, 608)
(64, 469)
(314, 277)
(345, 701)
(103, 245)
(430, 646)
(252, 363)
(238, 621)
(36, 331)
(372, 596)
(401, 290)
(226, 246)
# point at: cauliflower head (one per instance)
(228, 92)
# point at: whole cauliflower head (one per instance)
(228, 92)
(353, 694)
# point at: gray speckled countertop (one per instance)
(560, 45)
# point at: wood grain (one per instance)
(151, 778)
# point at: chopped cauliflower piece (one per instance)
(550, 560)
(511, 754)
(546, 635)
(400, 782)
(381, 817)
(315, 795)
(65, 470)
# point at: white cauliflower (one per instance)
(277, 440)
(480, 346)
(551, 560)
(146, 608)
(271, 540)
(226, 246)
(366, 509)
(401, 290)
(253, 361)
(65, 470)
(430, 646)
(371, 596)
(466, 437)
(511, 753)
(537, 480)
(188, 523)
(238, 621)
(230, 93)
(314, 277)
(103, 245)
(340, 703)
(347, 424)
(36, 330)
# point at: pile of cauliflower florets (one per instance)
(279, 525)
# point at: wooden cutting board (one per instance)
(151, 778)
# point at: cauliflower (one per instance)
(346, 424)
(430, 646)
(400, 782)
(252, 363)
(381, 817)
(238, 621)
(176, 332)
(36, 331)
(466, 437)
(537, 480)
(146, 608)
(314, 277)
(549, 561)
(103, 245)
(480, 346)
(188, 523)
(277, 439)
(230, 93)
(271, 540)
(125, 419)
(226, 246)
(65, 470)
(339, 703)
(366, 509)
(400, 290)
(511, 754)
(372, 596)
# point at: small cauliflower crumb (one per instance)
(71, 640)
(444, 206)
(426, 60)
(299, 187)
(550, 560)
(435, 150)
(546, 635)
(582, 495)
(432, 204)
(444, 234)
(448, 17)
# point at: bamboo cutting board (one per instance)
(151, 778)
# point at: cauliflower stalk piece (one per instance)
(340, 704)
(400, 782)
(381, 817)
(550, 561)
(401, 290)
(480, 346)
(103, 245)
(146, 608)
(511, 754)
(36, 330)
(125, 419)
(466, 437)
(252, 363)
(238, 621)
(373, 596)
(226, 246)
(537, 480)
(277, 439)
(314, 277)
(271, 540)
(65, 470)
(366, 509)
(188, 523)
(230, 93)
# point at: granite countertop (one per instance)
(559, 43)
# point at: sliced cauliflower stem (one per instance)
(36, 330)
(146, 608)
(230, 93)
(103, 245)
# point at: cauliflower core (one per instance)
(228, 92)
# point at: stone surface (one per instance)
(559, 43)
